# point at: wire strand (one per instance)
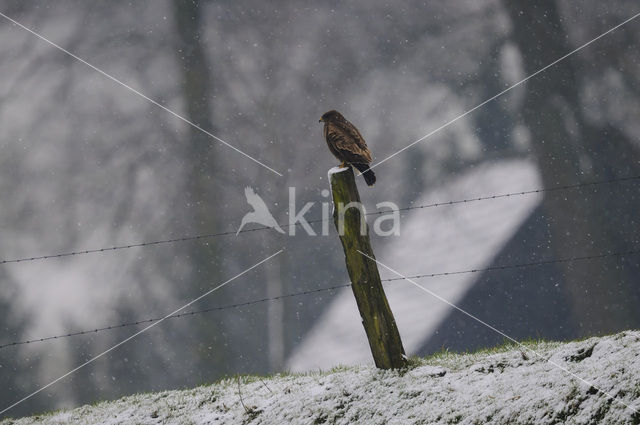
(286, 225)
(326, 289)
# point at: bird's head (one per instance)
(332, 115)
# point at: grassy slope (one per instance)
(503, 385)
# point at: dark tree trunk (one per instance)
(569, 150)
(200, 187)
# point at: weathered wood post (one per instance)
(377, 318)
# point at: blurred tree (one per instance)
(200, 168)
(493, 123)
(12, 386)
(569, 149)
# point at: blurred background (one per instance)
(86, 164)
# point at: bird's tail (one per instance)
(367, 173)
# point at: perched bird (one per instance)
(260, 213)
(347, 144)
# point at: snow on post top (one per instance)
(335, 170)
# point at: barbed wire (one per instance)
(512, 194)
(286, 225)
(327, 289)
(523, 265)
(190, 313)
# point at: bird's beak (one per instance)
(320, 120)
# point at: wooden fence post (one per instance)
(377, 318)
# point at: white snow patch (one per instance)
(503, 386)
(335, 170)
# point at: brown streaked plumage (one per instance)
(347, 144)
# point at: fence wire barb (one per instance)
(326, 289)
(286, 225)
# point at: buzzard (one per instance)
(346, 143)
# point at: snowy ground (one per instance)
(501, 386)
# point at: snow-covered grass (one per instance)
(504, 385)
